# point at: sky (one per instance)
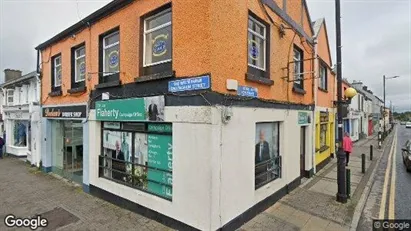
(376, 37)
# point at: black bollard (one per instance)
(348, 177)
(371, 151)
(363, 163)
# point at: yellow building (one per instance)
(325, 95)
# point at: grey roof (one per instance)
(23, 78)
(317, 26)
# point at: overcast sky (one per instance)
(376, 37)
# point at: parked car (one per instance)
(406, 155)
(402, 123)
(408, 125)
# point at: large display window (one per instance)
(138, 155)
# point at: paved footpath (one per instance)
(26, 192)
(313, 206)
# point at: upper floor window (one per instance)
(10, 96)
(323, 77)
(57, 71)
(257, 44)
(298, 68)
(80, 64)
(111, 56)
(157, 39)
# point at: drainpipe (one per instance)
(315, 87)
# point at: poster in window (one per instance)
(117, 145)
(160, 159)
(154, 108)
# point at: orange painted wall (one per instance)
(229, 51)
(325, 99)
(209, 36)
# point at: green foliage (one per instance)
(404, 116)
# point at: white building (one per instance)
(21, 114)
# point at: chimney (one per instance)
(365, 88)
(10, 74)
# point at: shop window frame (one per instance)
(276, 160)
(133, 128)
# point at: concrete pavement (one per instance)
(312, 206)
(26, 191)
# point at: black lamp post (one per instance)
(349, 93)
(384, 109)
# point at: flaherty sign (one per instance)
(134, 109)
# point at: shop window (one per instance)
(298, 68)
(323, 135)
(138, 155)
(10, 97)
(267, 153)
(323, 77)
(20, 133)
(157, 41)
(110, 56)
(57, 71)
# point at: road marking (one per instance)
(384, 190)
(391, 208)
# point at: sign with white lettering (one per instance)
(74, 112)
(133, 109)
(247, 91)
(190, 84)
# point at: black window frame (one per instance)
(81, 85)
(256, 74)
(114, 78)
(133, 128)
(325, 66)
(163, 69)
(276, 160)
(56, 90)
(299, 85)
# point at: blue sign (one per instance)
(247, 91)
(254, 52)
(159, 47)
(82, 68)
(191, 84)
(113, 59)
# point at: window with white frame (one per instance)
(111, 53)
(157, 39)
(256, 44)
(298, 68)
(323, 77)
(57, 71)
(10, 97)
(80, 64)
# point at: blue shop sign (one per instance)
(190, 84)
(247, 91)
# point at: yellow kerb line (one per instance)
(384, 191)
(391, 208)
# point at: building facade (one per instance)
(325, 97)
(21, 114)
(179, 110)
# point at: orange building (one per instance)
(325, 111)
(183, 104)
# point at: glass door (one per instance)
(57, 147)
(74, 150)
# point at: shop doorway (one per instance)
(67, 148)
(302, 151)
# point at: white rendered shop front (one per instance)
(185, 159)
(22, 131)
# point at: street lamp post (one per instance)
(383, 114)
(349, 93)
